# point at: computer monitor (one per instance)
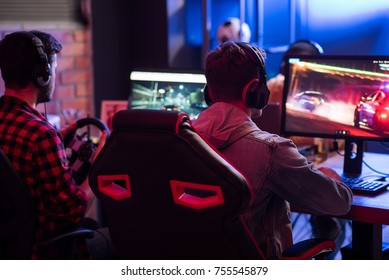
(168, 90)
(339, 97)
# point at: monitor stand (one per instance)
(353, 155)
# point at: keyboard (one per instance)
(361, 186)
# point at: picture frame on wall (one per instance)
(109, 108)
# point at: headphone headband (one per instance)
(41, 74)
(255, 56)
(256, 93)
(309, 46)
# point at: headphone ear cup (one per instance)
(264, 94)
(207, 95)
(256, 95)
(41, 75)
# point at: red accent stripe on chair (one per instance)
(115, 186)
(182, 197)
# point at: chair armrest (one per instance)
(314, 248)
(77, 233)
(65, 245)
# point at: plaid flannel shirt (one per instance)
(38, 155)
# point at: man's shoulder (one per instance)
(270, 138)
(36, 125)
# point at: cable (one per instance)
(44, 105)
(374, 170)
(385, 145)
(336, 148)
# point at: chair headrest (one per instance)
(149, 119)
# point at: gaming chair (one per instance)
(167, 194)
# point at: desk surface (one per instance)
(370, 209)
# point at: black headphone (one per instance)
(300, 46)
(41, 74)
(255, 94)
(316, 48)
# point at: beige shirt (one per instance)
(277, 173)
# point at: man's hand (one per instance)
(101, 144)
(330, 173)
(66, 130)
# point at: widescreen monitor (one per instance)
(168, 90)
(339, 97)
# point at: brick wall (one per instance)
(74, 84)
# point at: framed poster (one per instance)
(109, 109)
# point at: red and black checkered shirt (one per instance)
(38, 155)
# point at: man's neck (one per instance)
(241, 106)
(27, 94)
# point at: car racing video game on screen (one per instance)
(337, 96)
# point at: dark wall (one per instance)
(126, 35)
(135, 34)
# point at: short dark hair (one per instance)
(228, 69)
(19, 56)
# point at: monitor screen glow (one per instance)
(337, 97)
(168, 90)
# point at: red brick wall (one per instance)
(74, 84)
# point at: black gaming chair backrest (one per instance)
(166, 194)
(16, 215)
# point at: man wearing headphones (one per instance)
(236, 90)
(322, 226)
(28, 62)
(299, 47)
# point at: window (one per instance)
(22, 11)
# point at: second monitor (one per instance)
(168, 90)
(338, 97)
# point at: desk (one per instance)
(368, 213)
